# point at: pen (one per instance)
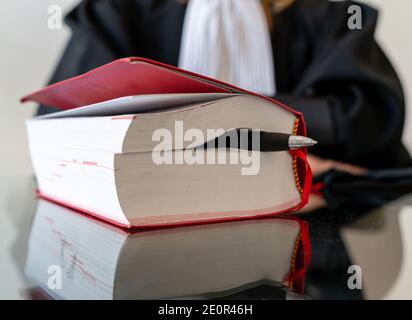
(265, 142)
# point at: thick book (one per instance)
(103, 153)
(95, 260)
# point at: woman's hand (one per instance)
(320, 165)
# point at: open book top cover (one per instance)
(133, 76)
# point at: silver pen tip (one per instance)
(296, 142)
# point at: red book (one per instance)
(101, 154)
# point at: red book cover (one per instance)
(136, 76)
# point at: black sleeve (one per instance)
(350, 94)
(102, 30)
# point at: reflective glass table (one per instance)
(355, 253)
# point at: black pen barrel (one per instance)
(274, 141)
(247, 139)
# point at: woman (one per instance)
(304, 51)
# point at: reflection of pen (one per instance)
(248, 139)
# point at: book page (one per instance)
(137, 104)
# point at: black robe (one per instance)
(338, 78)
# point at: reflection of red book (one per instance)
(105, 168)
(99, 261)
